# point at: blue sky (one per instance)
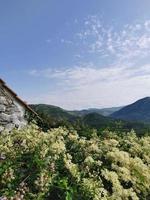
(76, 54)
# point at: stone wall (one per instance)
(12, 113)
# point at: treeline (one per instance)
(86, 124)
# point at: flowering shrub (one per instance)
(60, 164)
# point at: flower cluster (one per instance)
(61, 165)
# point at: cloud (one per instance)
(147, 25)
(118, 74)
(82, 87)
(48, 40)
(88, 74)
(127, 43)
(64, 41)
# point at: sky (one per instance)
(76, 54)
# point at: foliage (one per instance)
(61, 165)
(58, 112)
(53, 117)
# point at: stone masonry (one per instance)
(12, 113)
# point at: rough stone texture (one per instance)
(3, 100)
(2, 108)
(12, 113)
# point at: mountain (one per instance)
(95, 120)
(59, 113)
(99, 122)
(138, 111)
(102, 111)
(53, 112)
(54, 116)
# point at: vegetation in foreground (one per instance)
(61, 165)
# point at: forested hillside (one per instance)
(57, 111)
(102, 111)
(54, 117)
(138, 111)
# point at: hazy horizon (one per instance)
(76, 54)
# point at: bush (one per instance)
(61, 165)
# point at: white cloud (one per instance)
(62, 40)
(82, 87)
(147, 25)
(144, 42)
(127, 43)
(125, 79)
(48, 40)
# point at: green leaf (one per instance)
(68, 196)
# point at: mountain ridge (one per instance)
(54, 116)
(137, 111)
(82, 112)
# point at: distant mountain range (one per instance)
(123, 118)
(58, 112)
(138, 111)
(102, 111)
(53, 111)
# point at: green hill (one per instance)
(138, 111)
(95, 120)
(102, 111)
(55, 116)
(53, 112)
